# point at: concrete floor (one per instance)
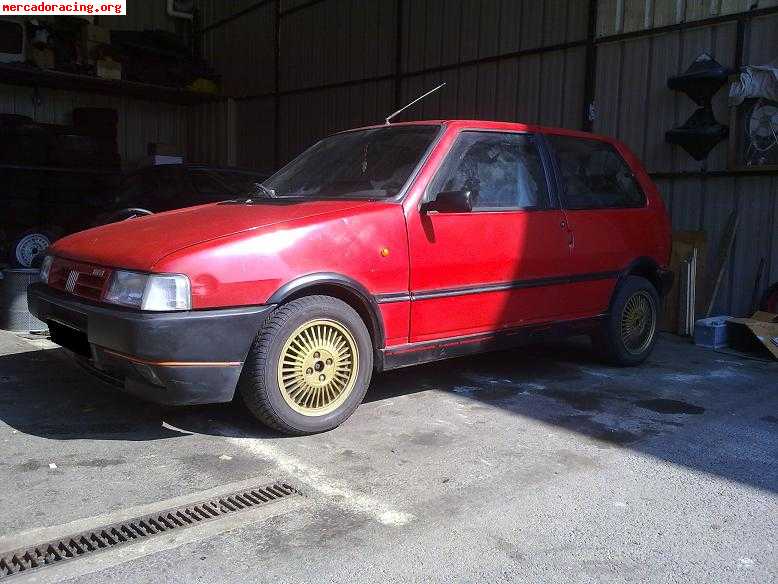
(533, 465)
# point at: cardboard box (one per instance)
(43, 58)
(109, 69)
(96, 34)
(756, 334)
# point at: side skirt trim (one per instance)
(439, 349)
(498, 287)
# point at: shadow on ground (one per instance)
(711, 412)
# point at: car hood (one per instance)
(141, 242)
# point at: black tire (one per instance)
(259, 386)
(610, 341)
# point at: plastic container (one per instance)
(711, 332)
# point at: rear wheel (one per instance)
(628, 335)
(309, 366)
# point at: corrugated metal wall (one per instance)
(620, 16)
(146, 15)
(524, 60)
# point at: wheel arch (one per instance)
(649, 269)
(343, 288)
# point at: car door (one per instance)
(606, 211)
(494, 267)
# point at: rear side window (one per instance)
(503, 169)
(594, 175)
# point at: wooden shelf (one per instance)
(32, 76)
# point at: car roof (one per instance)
(497, 125)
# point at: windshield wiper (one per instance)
(260, 188)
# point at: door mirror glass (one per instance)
(451, 202)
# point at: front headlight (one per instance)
(149, 291)
(46, 268)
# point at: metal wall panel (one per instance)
(140, 122)
(145, 15)
(212, 11)
(511, 89)
(631, 80)
(761, 42)
(706, 204)
(619, 16)
(306, 117)
(256, 133)
(242, 52)
(337, 41)
(213, 130)
(445, 32)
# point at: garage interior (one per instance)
(531, 465)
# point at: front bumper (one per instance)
(177, 358)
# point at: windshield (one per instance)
(374, 163)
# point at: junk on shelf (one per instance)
(74, 45)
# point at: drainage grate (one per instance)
(140, 528)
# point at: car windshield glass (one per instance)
(373, 164)
(238, 181)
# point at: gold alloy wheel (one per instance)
(318, 367)
(638, 322)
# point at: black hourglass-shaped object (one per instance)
(701, 132)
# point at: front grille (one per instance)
(84, 280)
(139, 529)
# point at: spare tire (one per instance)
(28, 249)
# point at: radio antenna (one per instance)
(402, 109)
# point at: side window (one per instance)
(503, 169)
(594, 175)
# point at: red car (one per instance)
(376, 248)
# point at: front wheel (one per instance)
(309, 367)
(628, 335)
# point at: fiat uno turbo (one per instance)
(376, 248)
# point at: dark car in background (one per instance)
(173, 186)
(58, 211)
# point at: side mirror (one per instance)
(450, 202)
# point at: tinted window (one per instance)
(594, 175)
(373, 163)
(504, 170)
